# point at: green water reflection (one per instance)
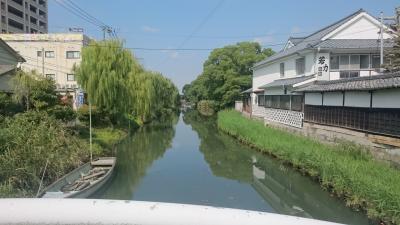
(189, 161)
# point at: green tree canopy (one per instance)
(393, 56)
(226, 73)
(34, 91)
(117, 83)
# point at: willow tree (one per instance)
(115, 82)
(103, 73)
(152, 95)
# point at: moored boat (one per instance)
(83, 181)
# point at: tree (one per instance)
(117, 83)
(103, 73)
(34, 91)
(226, 73)
(393, 56)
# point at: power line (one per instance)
(202, 23)
(198, 27)
(272, 44)
(85, 12)
(73, 8)
(63, 5)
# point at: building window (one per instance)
(375, 61)
(344, 62)
(39, 53)
(70, 77)
(297, 102)
(282, 69)
(349, 74)
(73, 54)
(261, 100)
(284, 102)
(275, 103)
(334, 62)
(364, 61)
(51, 76)
(268, 101)
(49, 54)
(354, 62)
(300, 66)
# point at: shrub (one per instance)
(99, 117)
(206, 107)
(8, 107)
(28, 140)
(63, 113)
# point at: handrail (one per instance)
(92, 211)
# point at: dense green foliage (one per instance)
(226, 73)
(34, 91)
(35, 128)
(117, 84)
(346, 169)
(27, 141)
(8, 107)
(393, 56)
(206, 107)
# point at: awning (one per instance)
(287, 82)
(250, 90)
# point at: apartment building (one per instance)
(23, 16)
(52, 55)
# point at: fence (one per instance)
(372, 120)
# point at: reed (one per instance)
(346, 169)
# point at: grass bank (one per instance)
(104, 138)
(343, 169)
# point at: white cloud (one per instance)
(150, 29)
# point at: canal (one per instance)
(188, 161)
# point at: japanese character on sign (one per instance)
(321, 60)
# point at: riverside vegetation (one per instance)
(38, 127)
(226, 73)
(344, 169)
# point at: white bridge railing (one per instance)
(91, 211)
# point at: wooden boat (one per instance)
(83, 181)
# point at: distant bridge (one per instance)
(91, 211)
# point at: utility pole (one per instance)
(381, 37)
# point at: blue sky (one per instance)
(206, 24)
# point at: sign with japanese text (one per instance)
(323, 65)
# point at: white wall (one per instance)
(313, 98)
(29, 44)
(389, 98)
(357, 99)
(333, 99)
(360, 28)
(268, 73)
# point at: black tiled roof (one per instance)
(353, 44)
(383, 81)
(287, 82)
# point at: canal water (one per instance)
(188, 161)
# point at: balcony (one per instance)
(16, 18)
